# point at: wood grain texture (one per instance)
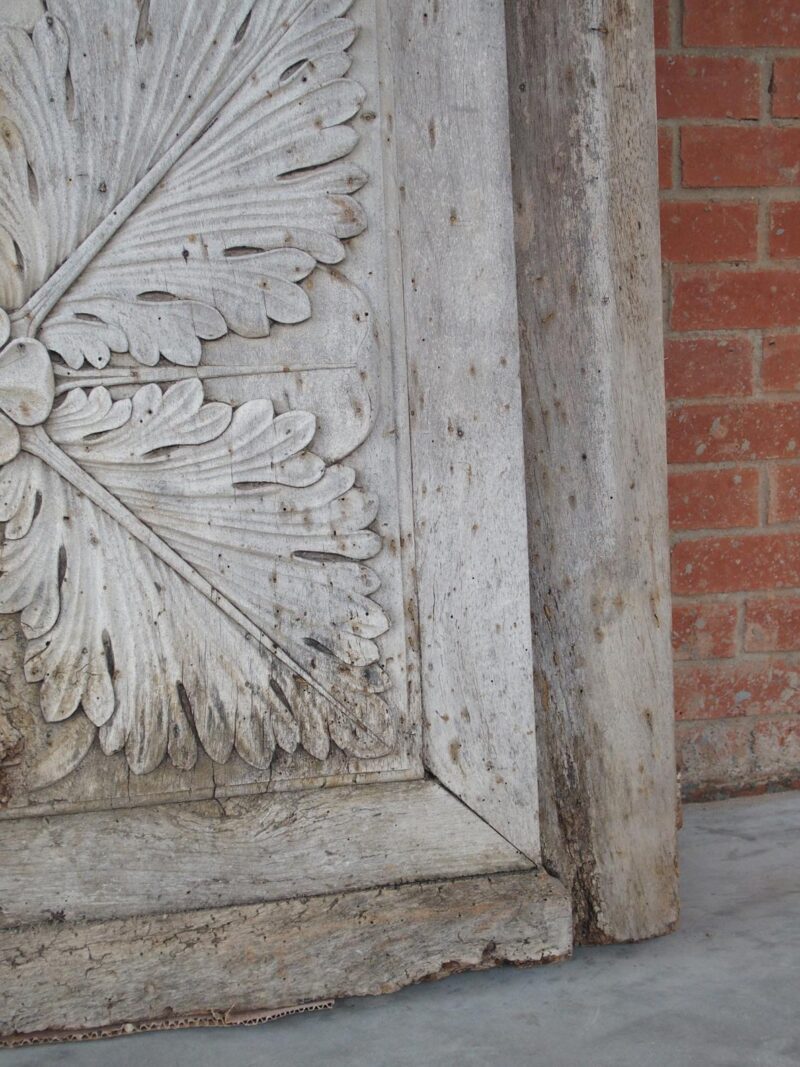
(74, 976)
(469, 491)
(105, 864)
(585, 188)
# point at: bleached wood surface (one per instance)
(104, 864)
(585, 188)
(469, 488)
(276, 954)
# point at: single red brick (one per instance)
(785, 88)
(707, 87)
(661, 19)
(666, 140)
(707, 367)
(736, 564)
(714, 433)
(718, 157)
(776, 748)
(713, 499)
(707, 755)
(708, 232)
(719, 756)
(704, 631)
(736, 299)
(784, 230)
(784, 494)
(780, 365)
(772, 624)
(725, 691)
(741, 23)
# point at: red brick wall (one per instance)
(729, 152)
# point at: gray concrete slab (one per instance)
(724, 990)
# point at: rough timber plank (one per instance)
(466, 416)
(585, 187)
(73, 976)
(103, 865)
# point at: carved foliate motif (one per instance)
(186, 570)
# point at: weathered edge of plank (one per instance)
(104, 865)
(83, 975)
(585, 186)
(459, 284)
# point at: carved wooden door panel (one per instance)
(201, 568)
(216, 453)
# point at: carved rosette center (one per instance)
(27, 387)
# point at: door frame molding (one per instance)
(584, 143)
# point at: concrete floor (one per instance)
(724, 990)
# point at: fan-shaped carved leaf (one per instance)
(101, 614)
(257, 503)
(243, 191)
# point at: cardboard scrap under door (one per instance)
(176, 1022)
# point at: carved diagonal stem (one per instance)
(36, 441)
(67, 378)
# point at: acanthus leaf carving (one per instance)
(189, 202)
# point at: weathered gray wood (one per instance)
(275, 954)
(584, 148)
(105, 864)
(461, 324)
(171, 603)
